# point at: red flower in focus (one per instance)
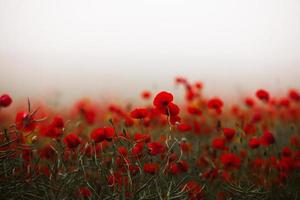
(170, 110)
(25, 122)
(253, 143)
(155, 148)
(216, 104)
(151, 168)
(163, 103)
(146, 95)
(229, 133)
(162, 99)
(139, 113)
(230, 161)
(262, 95)
(72, 141)
(5, 100)
(267, 138)
(101, 134)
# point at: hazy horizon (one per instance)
(119, 48)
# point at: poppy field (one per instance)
(156, 147)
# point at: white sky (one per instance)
(87, 47)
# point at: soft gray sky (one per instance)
(88, 47)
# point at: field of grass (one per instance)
(201, 148)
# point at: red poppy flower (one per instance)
(85, 192)
(216, 104)
(174, 169)
(146, 94)
(98, 135)
(179, 167)
(25, 122)
(184, 127)
(249, 102)
(194, 190)
(58, 122)
(183, 165)
(229, 133)
(267, 138)
(162, 99)
(286, 152)
(294, 95)
(198, 85)
(262, 95)
(139, 113)
(194, 111)
(72, 141)
(190, 94)
(87, 110)
(137, 149)
(151, 168)
(122, 150)
(257, 117)
(230, 161)
(253, 143)
(101, 134)
(5, 100)
(218, 143)
(109, 133)
(180, 80)
(175, 120)
(249, 129)
(284, 102)
(171, 109)
(129, 122)
(155, 148)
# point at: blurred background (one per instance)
(71, 49)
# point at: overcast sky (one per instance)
(121, 47)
